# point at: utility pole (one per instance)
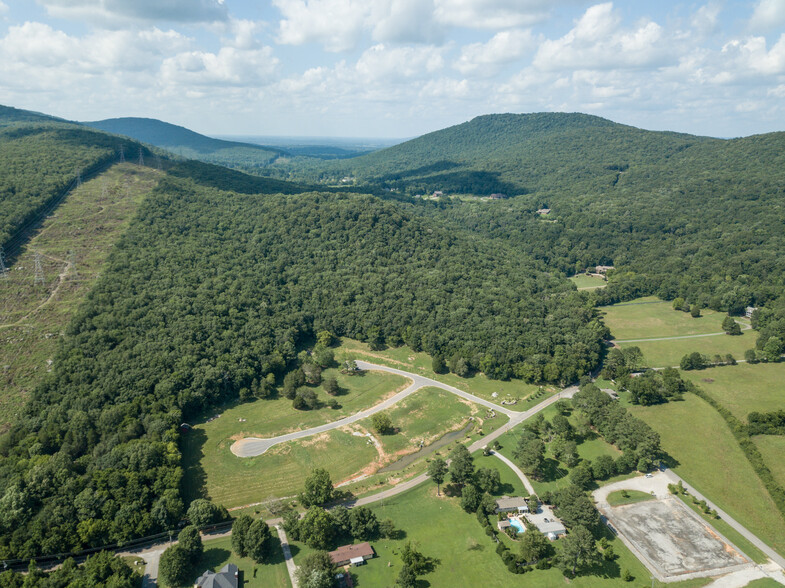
(39, 272)
(3, 269)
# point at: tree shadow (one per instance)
(212, 559)
(551, 471)
(504, 489)
(194, 482)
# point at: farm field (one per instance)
(744, 388)
(772, 447)
(584, 282)
(707, 456)
(404, 358)
(74, 242)
(466, 556)
(218, 553)
(649, 317)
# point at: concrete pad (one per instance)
(673, 541)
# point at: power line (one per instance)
(39, 272)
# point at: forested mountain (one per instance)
(10, 115)
(210, 291)
(187, 143)
(38, 161)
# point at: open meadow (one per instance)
(744, 388)
(772, 447)
(585, 282)
(73, 243)
(706, 455)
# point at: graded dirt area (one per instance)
(673, 539)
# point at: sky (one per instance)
(396, 68)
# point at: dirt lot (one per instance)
(673, 539)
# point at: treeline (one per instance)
(211, 291)
(39, 161)
(102, 569)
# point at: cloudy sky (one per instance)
(396, 68)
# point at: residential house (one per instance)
(228, 577)
(511, 504)
(352, 554)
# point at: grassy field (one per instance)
(212, 470)
(73, 244)
(403, 358)
(772, 447)
(744, 388)
(709, 458)
(729, 532)
(218, 553)
(584, 282)
(423, 417)
(465, 555)
(668, 353)
(649, 317)
(618, 497)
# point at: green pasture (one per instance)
(744, 388)
(584, 282)
(668, 353)
(708, 457)
(403, 358)
(649, 317)
(772, 447)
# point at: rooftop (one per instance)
(349, 552)
(225, 578)
(510, 502)
(546, 521)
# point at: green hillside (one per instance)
(10, 115)
(187, 143)
(39, 161)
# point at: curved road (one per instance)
(253, 446)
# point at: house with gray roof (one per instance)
(228, 577)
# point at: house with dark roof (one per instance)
(352, 554)
(228, 577)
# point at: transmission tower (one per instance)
(39, 272)
(3, 269)
(103, 188)
(78, 178)
(71, 259)
(141, 157)
(157, 163)
(122, 154)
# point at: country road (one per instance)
(253, 446)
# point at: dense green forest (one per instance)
(40, 160)
(210, 290)
(187, 143)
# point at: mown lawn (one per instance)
(584, 281)
(403, 358)
(744, 388)
(650, 317)
(709, 458)
(280, 472)
(218, 553)
(618, 497)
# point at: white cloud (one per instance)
(768, 15)
(706, 19)
(596, 42)
(492, 14)
(3, 8)
(750, 56)
(486, 58)
(229, 66)
(117, 12)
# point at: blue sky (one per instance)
(396, 68)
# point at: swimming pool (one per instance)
(518, 525)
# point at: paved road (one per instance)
(287, 555)
(253, 446)
(518, 472)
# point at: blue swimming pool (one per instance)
(518, 525)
